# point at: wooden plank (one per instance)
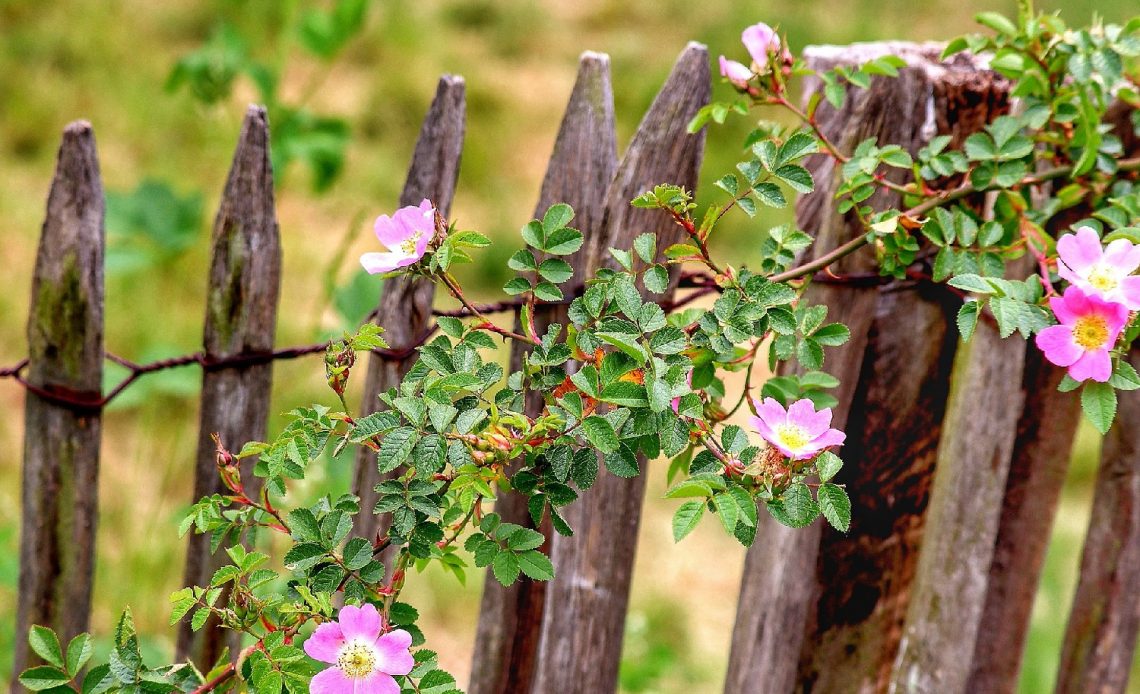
(580, 647)
(581, 167)
(1100, 638)
(821, 609)
(949, 591)
(406, 303)
(241, 317)
(61, 442)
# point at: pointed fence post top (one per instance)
(65, 324)
(435, 160)
(661, 151)
(245, 268)
(585, 150)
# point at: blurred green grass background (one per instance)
(107, 61)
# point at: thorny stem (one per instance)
(922, 208)
(453, 288)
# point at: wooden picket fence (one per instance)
(955, 453)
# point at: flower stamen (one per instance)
(792, 436)
(1090, 332)
(357, 659)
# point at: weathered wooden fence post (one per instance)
(1100, 639)
(61, 440)
(580, 169)
(580, 642)
(406, 303)
(241, 317)
(821, 610)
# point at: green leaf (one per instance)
(556, 270)
(517, 285)
(523, 261)
(564, 241)
(357, 553)
(968, 319)
(45, 644)
(536, 565)
(1098, 400)
(997, 22)
(835, 505)
(686, 517)
(656, 279)
(557, 216)
(796, 147)
(827, 465)
(625, 393)
(395, 448)
(1124, 377)
(43, 677)
(797, 177)
(506, 567)
(727, 511)
(600, 433)
(794, 508)
(646, 247)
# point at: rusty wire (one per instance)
(703, 284)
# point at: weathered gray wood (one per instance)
(581, 167)
(61, 443)
(406, 303)
(820, 610)
(241, 317)
(1100, 638)
(949, 589)
(1040, 460)
(581, 640)
(863, 576)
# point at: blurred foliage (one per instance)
(110, 61)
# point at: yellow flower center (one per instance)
(357, 659)
(1090, 332)
(409, 246)
(792, 436)
(1103, 280)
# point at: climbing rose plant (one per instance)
(625, 381)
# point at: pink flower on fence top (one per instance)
(1088, 330)
(760, 40)
(737, 73)
(798, 432)
(1102, 272)
(406, 234)
(363, 659)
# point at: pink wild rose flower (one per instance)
(1100, 271)
(406, 234)
(798, 432)
(737, 73)
(760, 40)
(363, 658)
(1088, 330)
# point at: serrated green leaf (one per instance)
(45, 644)
(835, 505)
(1098, 400)
(686, 518)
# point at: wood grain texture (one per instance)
(61, 444)
(580, 169)
(1100, 638)
(241, 318)
(821, 610)
(949, 590)
(863, 576)
(405, 302)
(581, 636)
